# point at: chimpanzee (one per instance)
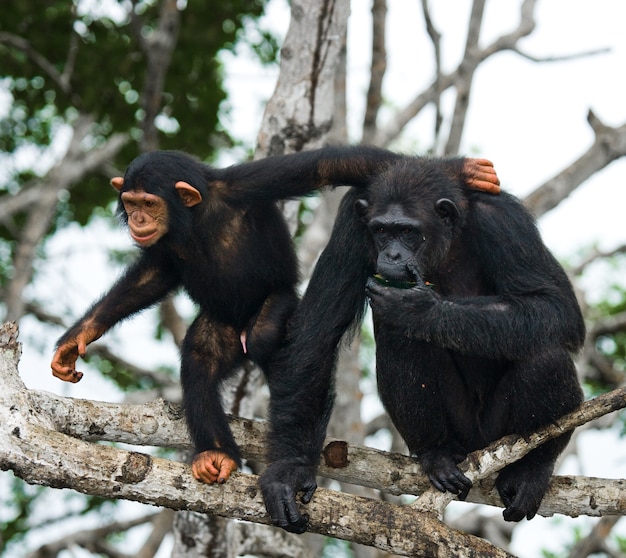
(474, 323)
(219, 235)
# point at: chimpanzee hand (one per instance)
(413, 309)
(280, 483)
(70, 348)
(480, 174)
(213, 466)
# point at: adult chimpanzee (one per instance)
(219, 234)
(474, 324)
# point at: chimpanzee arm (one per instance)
(301, 375)
(532, 306)
(297, 174)
(144, 283)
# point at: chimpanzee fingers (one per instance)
(307, 492)
(481, 175)
(67, 374)
(203, 469)
(64, 368)
(374, 292)
(435, 482)
(519, 503)
(82, 342)
(280, 501)
(453, 481)
(280, 483)
(226, 466)
(486, 186)
(483, 163)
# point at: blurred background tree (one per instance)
(86, 86)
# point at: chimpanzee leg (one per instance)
(438, 410)
(209, 353)
(266, 330)
(533, 394)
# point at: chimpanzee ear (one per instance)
(188, 194)
(117, 183)
(361, 206)
(447, 210)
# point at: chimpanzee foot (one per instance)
(213, 466)
(444, 474)
(522, 490)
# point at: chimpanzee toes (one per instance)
(444, 474)
(521, 498)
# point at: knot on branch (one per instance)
(135, 468)
(9, 332)
(336, 454)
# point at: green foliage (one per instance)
(59, 60)
(125, 378)
(19, 507)
(613, 345)
(335, 548)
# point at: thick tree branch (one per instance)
(298, 115)
(38, 431)
(378, 67)
(161, 424)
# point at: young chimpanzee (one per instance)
(219, 235)
(474, 324)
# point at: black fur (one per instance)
(233, 254)
(478, 348)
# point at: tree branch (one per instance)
(595, 255)
(465, 79)
(507, 42)
(39, 430)
(161, 424)
(378, 67)
(75, 164)
(609, 145)
(435, 37)
(45, 65)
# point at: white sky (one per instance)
(529, 119)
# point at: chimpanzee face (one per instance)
(399, 241)
(147, 214)
(409, 246)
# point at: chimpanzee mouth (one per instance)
(394, 282)
(411, 277)
(145, 237)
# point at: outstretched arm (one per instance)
(298, 174)
(143, 284)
